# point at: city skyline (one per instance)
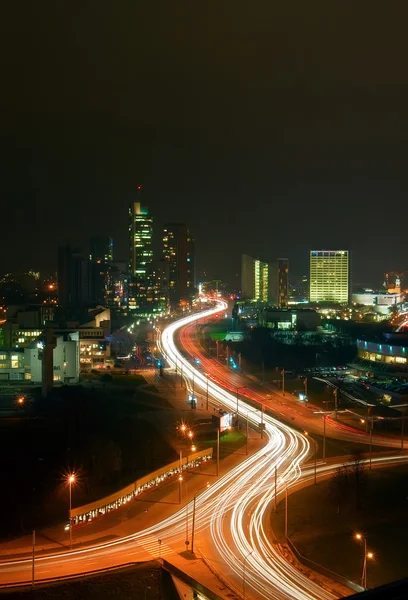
(286, 141)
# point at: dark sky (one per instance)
(270, 127)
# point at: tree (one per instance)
(357, 471)
(339, 487)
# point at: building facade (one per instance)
(329, 276)
(283, 282)
(141, 256)
(178, 251)
(255, 283)
(73, 277)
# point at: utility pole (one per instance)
(335, 393)
(193, 526)
(305, 384)
(33, 565)
(315, 461)
(218, 451)
(276, 487)
(247, 434)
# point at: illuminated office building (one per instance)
(329, 276)
(178, 251)
(254, 279)
(141, 255)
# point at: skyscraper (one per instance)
(101, 248)
(158, 292)
(100, 255)
(329, 276)
(178, 251)
(73, 277)
(141, 255)
(283, 282)
(254, 279)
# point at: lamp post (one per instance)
(238, 390)
(315, 455)
(359, 537)
(70, 480)
(218, 451)
(205, 487)
(243, 573)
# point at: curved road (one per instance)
(230, 515)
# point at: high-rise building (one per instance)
(101, 248)
(178, 251)
(254, 279)
(100, 255)
(158, 292)
(283, 282)
(329, 276)
(73, 277)
(141, 255)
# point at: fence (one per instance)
(92, 510)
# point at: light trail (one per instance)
(233, 510)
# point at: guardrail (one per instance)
(218, 575)
(193, 583)
(322, 570)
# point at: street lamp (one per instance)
(315, 455)
(243, 573)
(70, 480)
(238, 390)
(205, 487)
(360, 538)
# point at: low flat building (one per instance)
(293, 319)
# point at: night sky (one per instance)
(270, 127)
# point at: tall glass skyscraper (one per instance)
(329, 276)
(141, 255)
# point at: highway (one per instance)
(285, 408)
(231, 515)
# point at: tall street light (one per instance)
(70, 481)
(315, 455)
(243, 573)
(205, 487)
(238, 390)
(359, 537)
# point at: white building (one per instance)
(65, 359)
